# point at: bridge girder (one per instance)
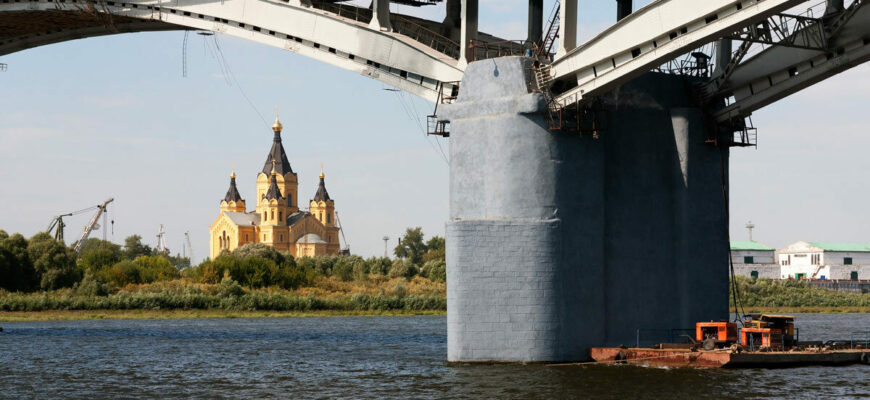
(390, 57)
(780, 71)
(651, 36)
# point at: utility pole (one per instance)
(386, 239)
(750, 226)
(2, 67)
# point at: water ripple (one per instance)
(353, 358)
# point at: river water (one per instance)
(356, 357)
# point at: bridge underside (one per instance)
(21, 30)
(410, 56)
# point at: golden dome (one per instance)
(321, 171)
(233, 175)
(277, 127)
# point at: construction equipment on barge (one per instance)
(764, 341)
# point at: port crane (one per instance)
(346, 249)
(101, 210)
(187, 248)
(161, 241)
(58, 225)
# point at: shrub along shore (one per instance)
(791, 296)
(41, 274)
(41, 278)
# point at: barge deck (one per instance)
(727, 358)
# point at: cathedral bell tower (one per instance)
(322, 207)
(233, 202)
(273, 208)
(285, 179)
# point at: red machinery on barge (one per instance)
(765, 340)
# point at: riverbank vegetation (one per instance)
(42, 274)
(792, 296)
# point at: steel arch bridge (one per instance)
(421, 56)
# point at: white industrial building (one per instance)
(818, 260)
(753, 259)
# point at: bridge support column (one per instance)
(559, 242)
(381, 15)
(723, 56)
(536, 20)
(469, 30)
(623, 9)
(453, 19)
(567, 26)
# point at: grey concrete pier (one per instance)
(558, 242)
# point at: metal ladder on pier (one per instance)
(545, 51)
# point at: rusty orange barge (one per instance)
(764, 341)
(726, 358)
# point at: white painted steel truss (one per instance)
(653, 35)
(780, 71)
(392, 58)
(803, 49)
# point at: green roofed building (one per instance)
(753, 259)
(825, 260)
(750, 245)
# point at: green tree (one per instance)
(133, 247)
(434, 249)
(155, 268)
(403, 268)
(411, 246)
(120, 274)
(434, 270)
(323, 265)
(379, 265)
(55, 264)
(258, 250)
(16, 269)
(97, 254)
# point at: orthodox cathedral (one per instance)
(277, 220)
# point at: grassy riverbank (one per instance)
(77, 315)
(331, 296)
(808, 310)
(182, 298)
(790, 296)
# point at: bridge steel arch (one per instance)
(392, 58)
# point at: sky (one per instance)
(114, 116)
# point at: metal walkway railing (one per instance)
(401, 25)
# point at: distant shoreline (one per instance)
(80, 315)
(808, 310)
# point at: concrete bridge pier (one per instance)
(558, 242)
